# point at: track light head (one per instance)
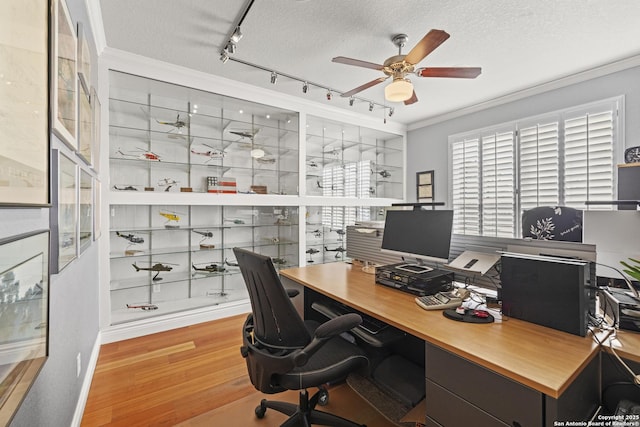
(371, 106)
(224, 56)
(274, 77)
(351, 100)
(390, 111)
(328, 95)
(305, 87)
(231, 47)
(236, 36)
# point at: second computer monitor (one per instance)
(419, 234)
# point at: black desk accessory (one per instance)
(468, 316)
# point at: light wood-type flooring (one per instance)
(193, 376)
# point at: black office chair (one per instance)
(283, 352)
(552, 223)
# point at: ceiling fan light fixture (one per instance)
(257, 153)
(399, 90)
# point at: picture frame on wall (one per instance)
(63, 218)
(424, 187)
(24, 105)
(24, 329)
(95, 129)
(64, 78)
(84, 59)
(85, 219)
(85, 130)
(97, 190)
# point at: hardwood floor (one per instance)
(194, 376)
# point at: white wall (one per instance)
(427, 146)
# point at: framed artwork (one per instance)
(24, 104)
(424, 187)
(84, 59)
(64, 214)
(95, 129)
(85, 130)
(24, 296)
(86, 210)
(64, 97)
(97, 190)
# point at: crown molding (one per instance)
(590, 74)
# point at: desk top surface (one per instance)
(542, 358)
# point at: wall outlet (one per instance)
(78, 365)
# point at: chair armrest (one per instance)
(324, 332)
(292, 293)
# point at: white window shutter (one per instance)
(498, 185)
(466, 186)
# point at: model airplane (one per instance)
(158, 267)
(279, 261)
(167, 182)
(125, 188)
(143, 306)
(312, 164)
(209, 268)
(132, 238)
(141, 154)
(274, 239)
(171, 216)
(213, 153)
(384, 173)
(341, 234)
(311, 251)
(265, 160)
(245, 133)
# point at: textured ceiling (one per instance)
(518, 43)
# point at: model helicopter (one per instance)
(212, 154)
(167, 182)
(235, 221)
(205, 235)
(312, 165)
(209, 268)
(157, 267)
(384, 173)
(125, 188)
(339, 250)
(132, 238)
(178, 124)
(231, 263)
(279, 261)
(171, 216)
(143, 306)
(316, 232)
(341, 234)
(311, 251)
(142, 154)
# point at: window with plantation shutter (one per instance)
(562, 158)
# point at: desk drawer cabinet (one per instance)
(493, 398)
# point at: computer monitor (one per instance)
(424, 235)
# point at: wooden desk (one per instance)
(544, 359)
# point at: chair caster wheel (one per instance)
(323, 397)
(260, 411)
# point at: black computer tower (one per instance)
(549, 291)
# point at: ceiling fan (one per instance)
(398, 66)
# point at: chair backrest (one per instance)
(277, 324)
(552, 223)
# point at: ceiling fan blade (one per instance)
(356, 62)
(413, 99)
(363, 87)
(432, 40)
(456, 72)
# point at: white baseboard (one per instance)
(86, 383)
(172, 321)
